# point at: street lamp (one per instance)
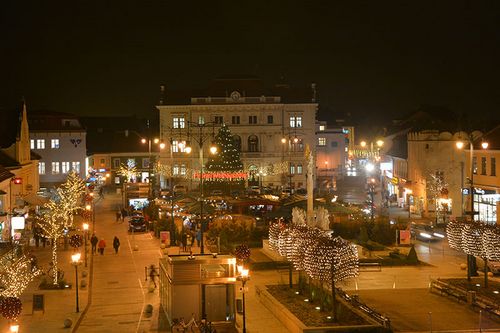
(243, 276)
(161, 145)
(86, 235)
(14, 327)
(75, 260)
(470, 259)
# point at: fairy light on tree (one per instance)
(15, 277)
(58, 214)
(11, 307)
(128, 171)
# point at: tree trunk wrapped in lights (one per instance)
(274, 233)
(285, 242)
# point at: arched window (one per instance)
(237, 142)
(253, 143)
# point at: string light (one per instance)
(475, 238)
(16, 276)
(11, 307)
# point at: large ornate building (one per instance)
(271, 126)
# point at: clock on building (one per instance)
(235, 95)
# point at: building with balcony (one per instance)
(272, 127)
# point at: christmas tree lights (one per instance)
(16, 276)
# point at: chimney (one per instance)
(162, 94)
(313, 88)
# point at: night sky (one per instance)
(369, 58)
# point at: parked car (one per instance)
(254, 189)
(137, 224)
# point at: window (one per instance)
(175, 169)
(145, 162)
(178, 122)
(178, 146)
(252, 119)
(334, 144)
(32, 144)
(235, 120)
(237, 142)
(483, 165)
(474, 165)
(299, 169)
(322, 142)
(218, 119)
(116, 162)
(493, 171)
(297, 144)
(41, 167)
(321, 127)
(40, 143)
(54, 143)
(270, 119)
(183, 169)
(292, 168)
(76, 166)
(201, 120)
(65, 167)
(296, 121)
(253, 143)
(55, 168)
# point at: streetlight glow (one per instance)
(380, 143)
(213, 150)
(75, 258)
(14, 327)
(156, 140)
(460, 144)
(283, 140)
(88, 207)
(187, 150)
(370, 167)
(143, 140)
(162, 145)
(85, 226)
(485, 145)
(363, 144)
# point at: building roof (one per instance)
(7, 161)
(493, 138)
(48, 120)
(245, 86)
(5, 174)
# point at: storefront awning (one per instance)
(35, 200)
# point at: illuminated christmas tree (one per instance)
(225, 167)
(16, 276)
(129, 171)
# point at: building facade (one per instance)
(60, 140)
(271, 133)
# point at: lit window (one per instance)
(55, 168)
(41, 168)
(116, 162)
(321, 127)
(54, 143)
(474, 165)
(178, 122)
(65, 167)
(183, 169)
(252, 119)
(178, 146)
(175, 169)
(299, 169)
(76, 166)
(321, 141)
(292, 168)
(295, 121)
(145, 162)
(40, 144)
(201, 120)
(32, 144)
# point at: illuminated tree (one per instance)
(437, 188)
(16, 276)
(128, 171)
(58, 213)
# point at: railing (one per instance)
(355, 302)
(370, 266)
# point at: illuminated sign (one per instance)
(17, 180)
(17, 222)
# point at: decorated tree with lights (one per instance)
(437, 188)
(16, 276)
(128, 171)
(58, 213)
(225, 168)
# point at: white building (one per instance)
(272, 128)
(60, 140)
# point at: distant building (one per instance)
(60, 140)
(332, 153)
(271, 126)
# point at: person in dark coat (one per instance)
(116, 244)
(184, 241)
(94, 240)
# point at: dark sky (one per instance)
(369, 58)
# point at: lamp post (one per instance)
(161, 145)
(200, 136)
(471, 265)
(243, 276)
(14, 327)
(75, 260)
(85, 235)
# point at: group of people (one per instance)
(188, 237)
(100, 245)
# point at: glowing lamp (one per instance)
(485, 145)
(156, 140)
(14, 327)
(188, 150)
(213, 150)
(143, 140)
(75, 258)
(283, 140)
(88, 207)
(295, 140)
(380, 143)
(363, 144)
(369, 167)
(17, 180)
(85, 226)
(162, 145)
(459, 144)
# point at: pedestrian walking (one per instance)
(36, 236)
(93, 241)
(118, 215)
(124, 213)
(101, 192)
(101, 246)
(116, 244)
(152, 274)
(184, 241)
